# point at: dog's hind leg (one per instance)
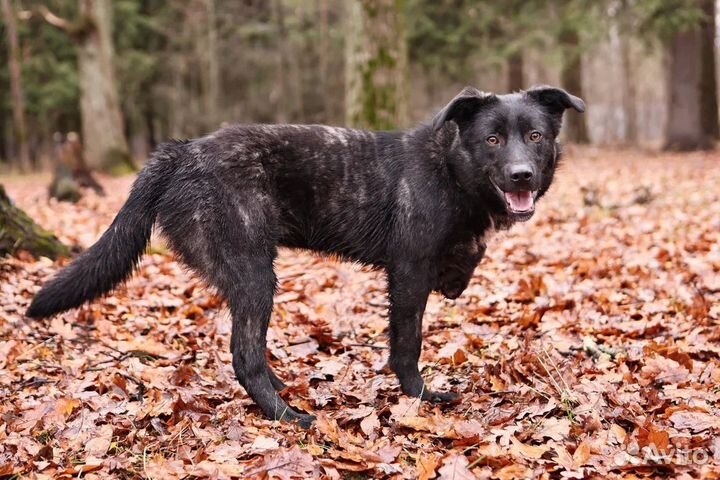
(229, 238)
(248, 282)
(251, 306)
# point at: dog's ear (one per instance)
(462, 107)
(555, 99)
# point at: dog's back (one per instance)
(332, 189)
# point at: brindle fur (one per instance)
(414, 203)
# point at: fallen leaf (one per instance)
(694, 421)
(98, 446)
(454, 467)
(581, 454)
(426, 465)
(406, 407)
(370, 424)
(289, 464)
(263, 444)
(523, 451)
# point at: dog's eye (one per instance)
(535, 136)
(492, 140)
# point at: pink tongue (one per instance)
(519, 201)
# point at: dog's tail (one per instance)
(113, 258)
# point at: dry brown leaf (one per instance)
(523, 451)
(206, 468)
(63, 329)
(289, 464)
(554, 428)
(454, 467)
(406, 407)
(262, 444)
(437, 425)
(513, 472)
(99, 444)
(695, 421)
(370, 424)
(427, 463)
(581, 454)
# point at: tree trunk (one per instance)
(324, 56)
(4, 151)
(19, 233)
(571, 77)
(213, 94)
(102, 124)
(149, 118)
(515, 80)
(16, 86)
(684, 129)
(629, 98)
(282, 97)
(376, 64)
(708, 83)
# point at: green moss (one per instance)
(379, 102)
(379, 78)
(19, 233)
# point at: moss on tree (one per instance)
(18, 232)
(376, 73)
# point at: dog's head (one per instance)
(507, 148)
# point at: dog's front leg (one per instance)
(409, 285)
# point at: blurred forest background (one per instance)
(127, 74)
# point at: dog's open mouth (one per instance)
(520, 205)
(520, 202)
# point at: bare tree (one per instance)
(622, 29)
(282, 97)
(571, 77)
(708, 82)
(685, 130)
(324, 54)
(629, 92)
(515, 76)
(376, 64)
(213, 96)
(16, 86)
(102, 121)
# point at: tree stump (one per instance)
(71, 171)
(18, 232)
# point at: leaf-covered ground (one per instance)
(586, 346)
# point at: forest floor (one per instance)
(586, 346)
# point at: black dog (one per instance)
(416, 204)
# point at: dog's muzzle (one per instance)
(520, 204)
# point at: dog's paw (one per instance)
(304, 420)
(441, 397)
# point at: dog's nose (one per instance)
(521, 173)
